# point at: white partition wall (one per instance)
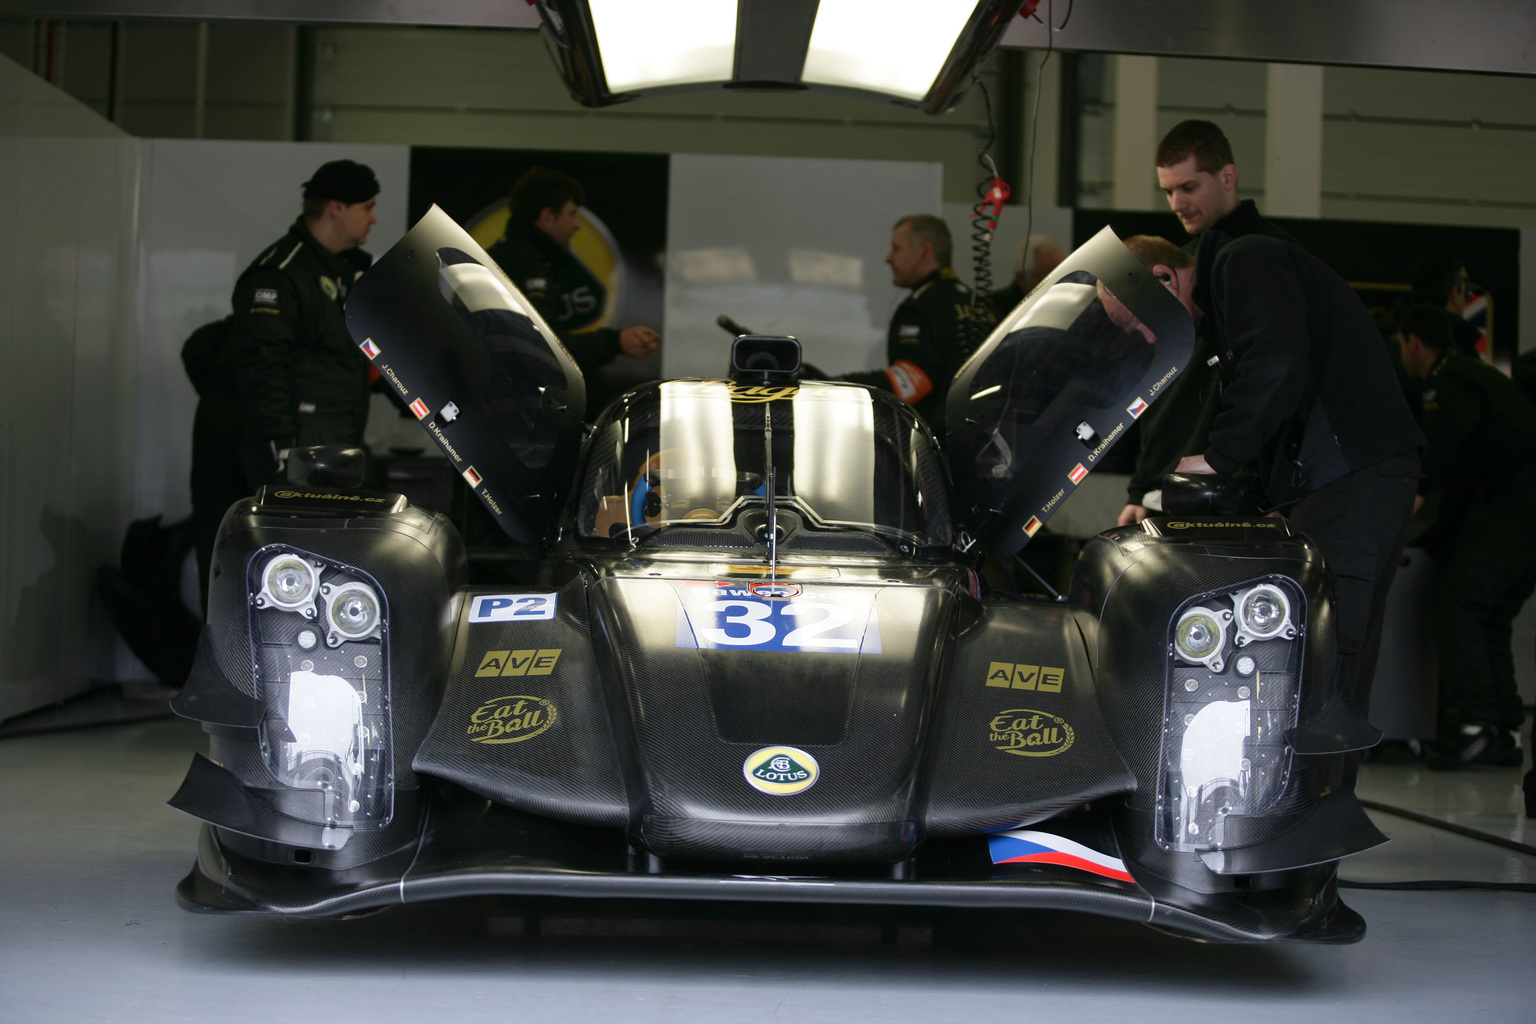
(785, 246)
(112, 250)
(66, 214)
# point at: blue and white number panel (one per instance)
(770, 616)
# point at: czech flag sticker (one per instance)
(369, 348)
(471, 476)
(1136, 408)
(1022, 846)
(1077, 474)
(420, 409)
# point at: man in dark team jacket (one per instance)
(1198, 173)
(535, 252)
(935, 328)
(1310, 402)
(1482, 461)
(303, 379)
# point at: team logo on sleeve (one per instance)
(265, 297)
(780, 771)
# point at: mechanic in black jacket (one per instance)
(936, 327)
(1310, 401)
(1482, 460)
(535, 252)
(303, 378)
(1198, 173)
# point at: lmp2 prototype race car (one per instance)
(757, 662)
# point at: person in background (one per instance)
(1035, 257)
(1442, 281)
(936, 327)
(1482, 460)
(535, 252)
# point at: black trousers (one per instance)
(1487, 571)
(218, 478)
(1360, 522)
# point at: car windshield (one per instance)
(699, 452)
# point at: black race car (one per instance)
(758, 662)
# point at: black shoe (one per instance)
(1477, 745)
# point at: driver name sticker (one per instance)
(816, 620)
(512, 607)
(780, 771)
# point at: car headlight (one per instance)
(290, 583)
(1263, 613)
(352, 609)
(325, 734)
(1200, 637)
(1223, 746)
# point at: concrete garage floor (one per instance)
(89, 931)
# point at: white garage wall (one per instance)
(66, 338)
(785, 246)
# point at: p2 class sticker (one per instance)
(816, 620)
(1022, 846)
(780, 771)
(512, 607)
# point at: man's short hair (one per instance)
(1430, 324)
(1024, 257)
(539, 189)
(1152, 250)
(1203, 140)
(1434, 279)
(925, 227)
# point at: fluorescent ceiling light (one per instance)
(649, 43)
(894, 46)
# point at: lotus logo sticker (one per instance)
(780, 771)
(1030, 733)
(510, 719)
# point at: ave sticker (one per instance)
(780, 771)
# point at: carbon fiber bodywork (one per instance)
(759, 664)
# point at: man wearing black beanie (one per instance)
(304, 380)
(288, 370)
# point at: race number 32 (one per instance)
(823, 620)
